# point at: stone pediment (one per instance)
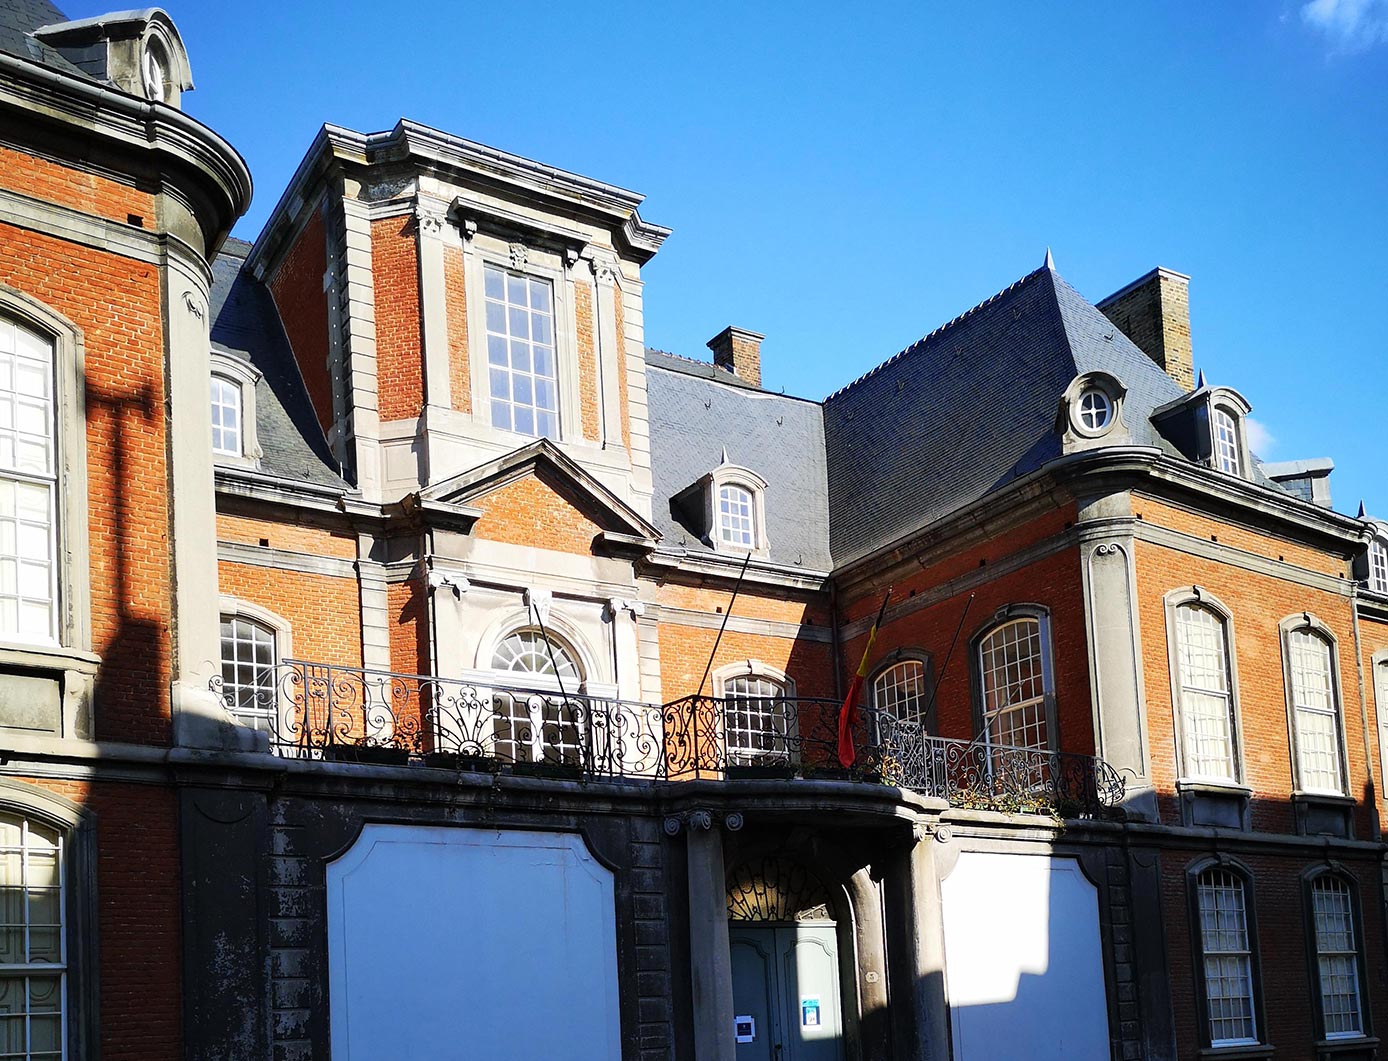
(537, 495)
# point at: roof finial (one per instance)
(725, 456)
(1049, 263)
(1363, 512)
(1200, 384)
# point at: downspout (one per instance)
(1364, 706)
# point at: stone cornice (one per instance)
(190, 155)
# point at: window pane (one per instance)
(736, 523)
(1315, 711)
(520, 330)
(226, 416)
(1206, 706)
(31, 940)
(1014, 694)
(756, 719)
(1337, 957)
(1228, 962)
(249, 685)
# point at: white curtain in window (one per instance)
(1315, 712)
(1202, 649)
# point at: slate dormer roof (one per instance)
(245, 325)
(18, 20)
(971, 407)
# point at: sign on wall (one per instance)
(450, 942)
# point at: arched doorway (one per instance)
(787, 1002)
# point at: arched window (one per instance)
(737, 519)
(33, 945)
(1227, 448)
(1315, 711)
(1338, 957)
(1205, 693)
(528, 651)
(1378, 565)
(249, 656)
(226, 416)
(1015, 684)
(901, 691)
(541, 720)
(1227, 962)
(28, 486)
(756, 719)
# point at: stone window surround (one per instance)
(80, 902)
(908, 655)
(1222, 399)
(1007, 614)
(1198, 595)
(244, 377)
(70, 662)
(1309, 877)
(236, 607)
(1308, 622)
(756, 668)
(1231, 865)
(1072, 427)
(754, 484)
(556, 625)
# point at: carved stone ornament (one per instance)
(194, 305)
(519, 256)
(431, 222)
(617, 605)
(604, 272)
(457, 583)
(540, 601)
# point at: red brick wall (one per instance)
(293, 537)
(298, 292)
(587, 358)
(459, 359)
(1259, 603)
(116, 303)
(324, 612)
(399, 359)
(533, 511)
(1283, 946)
(409, 630)
(57, 183)
(137, 887)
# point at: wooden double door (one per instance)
(786, 999)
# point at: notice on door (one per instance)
(809, 1013)
(746, 1029)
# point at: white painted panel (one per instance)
(460, 943)
(1024, 964)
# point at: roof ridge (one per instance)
(931, 335)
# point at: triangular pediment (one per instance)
(541, 495)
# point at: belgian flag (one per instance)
(848, 714)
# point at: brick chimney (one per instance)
(739, 351)
(1154, 312)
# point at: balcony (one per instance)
(347, 714)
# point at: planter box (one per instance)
(555, 771)
(475, 764)
(366, 754)
(761, 772)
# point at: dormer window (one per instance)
(226, 417)
(232, 394)
(736, 516)
(522, 373)
(1096, 410)
(1378, 565)
(156, 70)
(1226, 442)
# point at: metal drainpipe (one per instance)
(1364, 704)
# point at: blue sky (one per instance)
(844, 178)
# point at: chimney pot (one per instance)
(739, 351)
(1154, 312)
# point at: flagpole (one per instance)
(848, 710)
(737, 587)
(939, 678)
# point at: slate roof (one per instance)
(971, 407)
(18, 19)
(696, 411)
(245, 325)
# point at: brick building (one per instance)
(400, 659)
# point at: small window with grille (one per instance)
(33, 945)
(248, 671)
(756, 720)
(1337, 958)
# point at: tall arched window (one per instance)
(28, 486)
(756, 719)
(249, 687)
(1015, 684)
(901, 691)
(1228, 967)
(1205, 692)
(1315, 707)
(1378, 565)
(737, 516)
(226, 416)
(1338, 958)
(1227, 449)
(33, 945)
(542, 719)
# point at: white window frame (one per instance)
(1324, 955)
(508, 370)
(243, 376)
(284, 726)
(1301, 711)
(1225, 434)
(986, 719)
(736, 476)
(783, 731)
(536, 258)
(886, 702)
(736, 505)
(1237, 960)
(71, 625)
(28, 969)
(1378, 565)
(511, 706)
(1199, 598)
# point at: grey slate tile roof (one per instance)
(18, 19)
(696, 411)
(245, 325)
(970, 408)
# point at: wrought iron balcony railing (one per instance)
(317, 711)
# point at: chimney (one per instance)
(739, 351)
(1154, 312)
